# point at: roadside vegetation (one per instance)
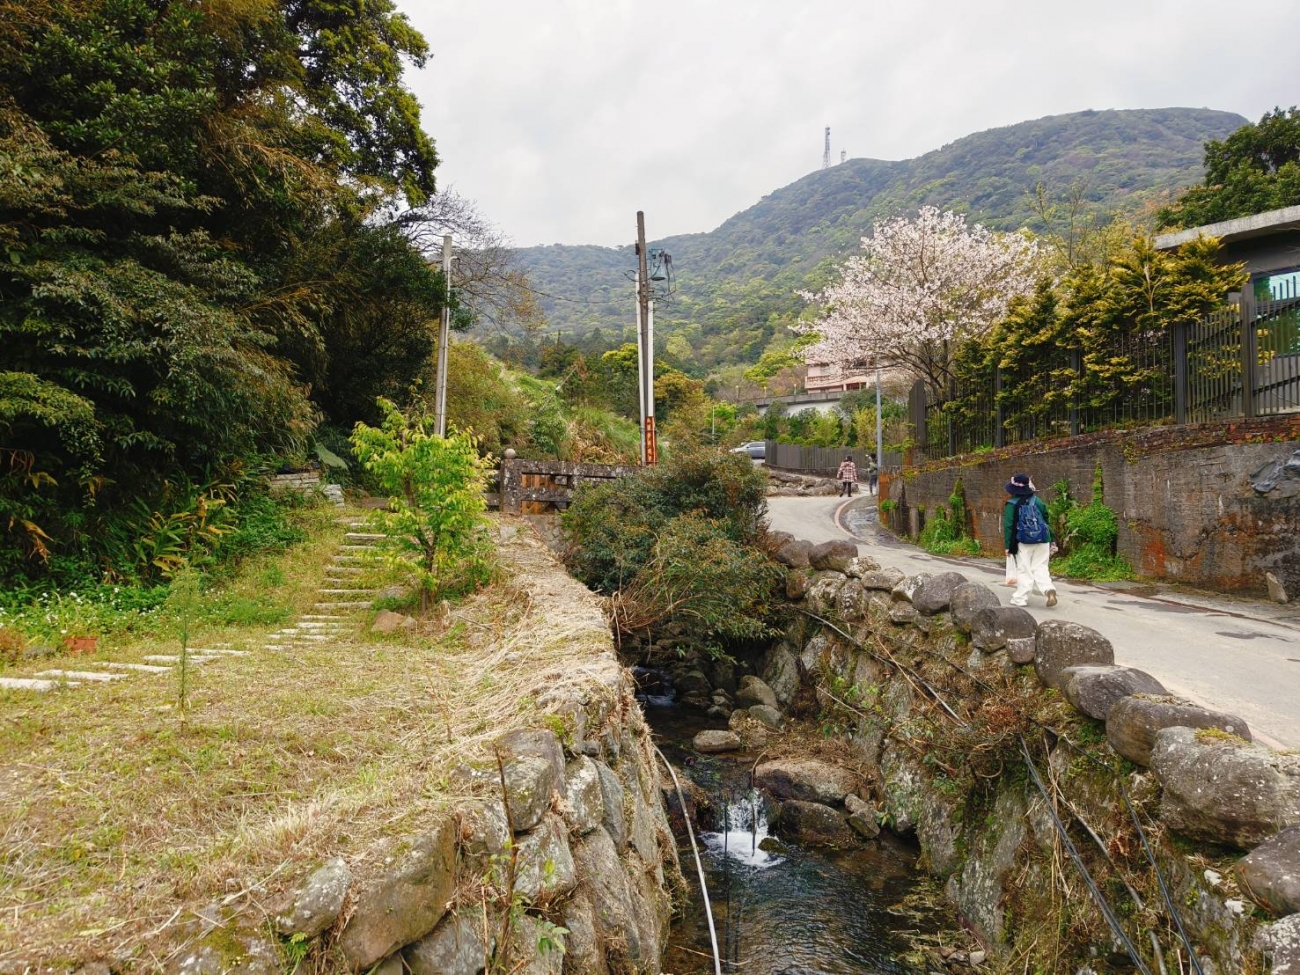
(679, 547)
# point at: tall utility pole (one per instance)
(826, 152)
(645, 343)
(440, 385)
(880, 428)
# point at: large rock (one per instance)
(318, 902)
(794, 554)
(864, 818)
(860, 566)
(754, 690)
(1222, 789)
(454, 948)
(236, 953)
(814, 824)
(852, 604)
(833, 556)
(881, 579)
(582, 951)
(1061, 644)
(545, 866)
(534, 771)
(482, 829)
(713, 741)
(1281, 940)
(582, 794)
(611, 791)
(1270, 873)
(934, 593)
(806, 779)
(1094, 690)
(781, 672)
(767, 715)
(990, 629)
(967, 600)
(797, 584)
(605, 886)
(824, 594)
(1134, 722)
(407, 898)
(537, 954)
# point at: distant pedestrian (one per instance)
(1029, 539)
(873, 478)
(847, 476)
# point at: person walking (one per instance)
(847, 476)
(1029, 539)
(873, 477)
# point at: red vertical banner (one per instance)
(651, 445)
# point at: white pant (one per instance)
(1031, 571)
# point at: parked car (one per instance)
(757, 449)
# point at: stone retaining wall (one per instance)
(577, 838)
(1211, 505)
(932, 684)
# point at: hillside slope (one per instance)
(736, 283)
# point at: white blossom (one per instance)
(917, 289)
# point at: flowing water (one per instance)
(781, 909)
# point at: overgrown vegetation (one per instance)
(1088, 536)
(948, 531)
(679, 545)
(434, 525)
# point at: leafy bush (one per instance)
(679, 542)
(945, 533)
(436, 527)
(1089, 538)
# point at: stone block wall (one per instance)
(932, 686)
(1210, 505)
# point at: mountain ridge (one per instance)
(737, 282)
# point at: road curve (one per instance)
(1225, 654)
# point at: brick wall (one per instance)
(1191, 500)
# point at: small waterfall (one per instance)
(744, 830)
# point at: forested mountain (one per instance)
(736, 284)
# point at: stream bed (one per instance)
(780, 909)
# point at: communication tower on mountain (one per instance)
(826, 152)
(842, 154)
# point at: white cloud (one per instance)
(563, 119)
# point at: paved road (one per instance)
(1238, 656)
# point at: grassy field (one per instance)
(123, 812)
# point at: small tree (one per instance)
(918, 290)
(435, 487)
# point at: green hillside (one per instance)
(736, 284)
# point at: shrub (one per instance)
(1089, 538)
(945, 533)
(436, 527)
(679, 543)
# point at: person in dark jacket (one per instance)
(1028, 537)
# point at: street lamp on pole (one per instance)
(444, 330)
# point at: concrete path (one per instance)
(1235, 655)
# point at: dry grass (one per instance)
(120, 815)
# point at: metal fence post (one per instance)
(1076, 366)
(999, 410)
(1180, 373)
(1249, 357)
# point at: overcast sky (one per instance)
(563, 118)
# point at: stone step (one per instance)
(167, 658)
(80, 675)
(142, 668)
(322, 616)
(344, 570)
(348, 559)
(363, 537)
(32, 684)
(345, 592)
(323, 627)
(218, 652)
(357, 548)
(355, 604)
(275, 646)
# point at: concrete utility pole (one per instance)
(645, 342)
(880, 435)
(440, 385)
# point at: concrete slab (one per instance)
(166, 658)
(31, 684)
(78, 675)
(363, 537)
(141, 668)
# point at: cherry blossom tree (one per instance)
(918, 289)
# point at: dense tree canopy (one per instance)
(195, 256)
(1256, 168)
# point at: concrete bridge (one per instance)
(823, 402)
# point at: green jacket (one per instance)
(1009, 522)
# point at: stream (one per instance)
(780, 909)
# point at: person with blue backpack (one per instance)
(1029, 539)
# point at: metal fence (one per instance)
(1241, 361)
(825, 460)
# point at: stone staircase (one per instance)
(341, 599)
